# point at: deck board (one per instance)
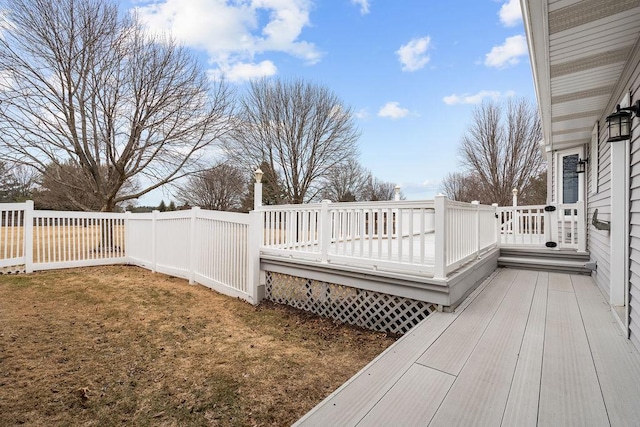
(451, 351)
(413, 400)
(480, 392)
(351, 402)
(520, 351)
(613, 355)
(569, 393)
(522, 404)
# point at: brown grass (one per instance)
(111, 345)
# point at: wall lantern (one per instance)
(258, 175)
(581, 166)
(619, 123)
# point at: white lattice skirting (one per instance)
(368, 309)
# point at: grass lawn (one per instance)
(121, 345)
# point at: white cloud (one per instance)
(241, 72)
(233, 33)
(413, 55)
(510, 13)
(508, 53)
(393, 110)
(362, 114)
(475, 98)
(364, 6)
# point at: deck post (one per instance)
(498, 225)
(28, 236)
(476, 203)
(193, 248)
(440, 236)
(325, 230)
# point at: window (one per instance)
(569, 178)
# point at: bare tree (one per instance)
(48, 193)
(464, 187)
(346, 182)
(378, 190)
(83, 85)
(502, 149)
(301, 130)
(16, 182)
(220, 188)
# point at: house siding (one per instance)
(598, 241)
(634, 223)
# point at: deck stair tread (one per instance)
(545, 260)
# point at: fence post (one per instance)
(396, 195)
(476, 203)
(254, 240)
(325, 230)
(28, 236)
(193, 245)
(127, 238)
(582, 230)
(440, 237)
(154, 215)
(498, 225)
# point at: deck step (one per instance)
(545, 254)
(544, 263)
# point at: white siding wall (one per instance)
(599, 243)
(634, 220)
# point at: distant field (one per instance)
(62, 243)
(120, 345)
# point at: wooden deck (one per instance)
(526, 348)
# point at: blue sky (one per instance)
(412, 70)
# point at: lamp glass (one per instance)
(258, 175)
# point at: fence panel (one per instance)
(12, 234)
(223, 252)
(140, 239)
(76, 239)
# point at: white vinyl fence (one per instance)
(217, 249)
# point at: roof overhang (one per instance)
(579, 50)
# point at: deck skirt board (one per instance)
(413, 400)
(569, 392)
(450, 353)
(524, 396)
(480, 392)
(614, 357)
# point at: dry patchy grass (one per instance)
(120, 345)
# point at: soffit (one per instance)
(578, 50)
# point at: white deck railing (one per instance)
(395, 236)
(562, 225)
